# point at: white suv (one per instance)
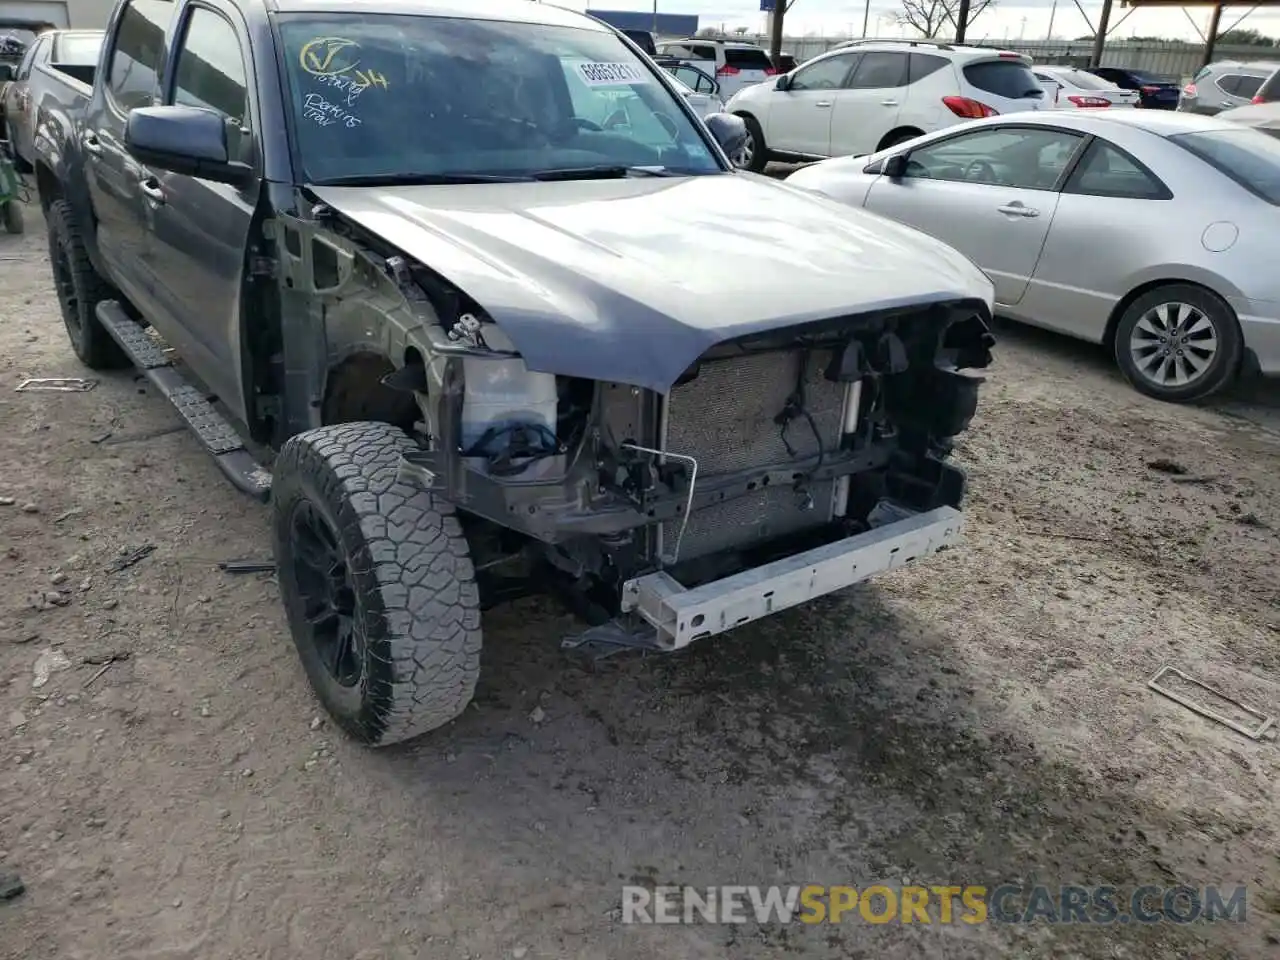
(735, 65)
(869, 95)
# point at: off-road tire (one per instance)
(18, 163)
(416, 603)
(13, 217)
(1225, 363)
(759, 151)
(80, 289)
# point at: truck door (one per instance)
(201, 227)
(114, 178)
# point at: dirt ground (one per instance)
(979, 718)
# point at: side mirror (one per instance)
(783, 82)
(895, 167)
(185, 140)
(730, 132)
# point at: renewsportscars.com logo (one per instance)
(1009, 903)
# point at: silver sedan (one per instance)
(1151, 232)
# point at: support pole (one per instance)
(775, 30)
(962, 20)
(1100, 34)
(1211, 38)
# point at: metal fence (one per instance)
(1171, 59)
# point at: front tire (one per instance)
(377, 584)
(80, 290)
(754, 155)
(1178, 343)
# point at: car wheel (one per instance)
(754, 155)
(13, 217)
(377, 583)
(1178, 343)
(80, 289)
(18, 163)
(901, 136)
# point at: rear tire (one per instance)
(13, 218)
(1178, 332)
(377, 583)
(755, 153)
(80, 290)
(18, 163)
(897, 137)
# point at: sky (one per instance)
(1028, 19)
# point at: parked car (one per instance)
(56, 61)
(1260, 116)
(1156, 92)
(1070, 88)
(784, 62)
(502, 338)
(1150, 232)
(1224, 85)
(867, 96)
(1269, 92)
(735, 65)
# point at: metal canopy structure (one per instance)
(1104, 21)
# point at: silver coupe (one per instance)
(1150, 232)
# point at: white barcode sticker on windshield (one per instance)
(611, 74)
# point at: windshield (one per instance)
(389, 96)
(76, 51)
(1247, 156)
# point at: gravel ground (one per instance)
(979, 718)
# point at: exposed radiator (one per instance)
(724, 418)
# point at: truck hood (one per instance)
(632, 280)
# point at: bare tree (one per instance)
(930, 17)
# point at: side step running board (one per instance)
(214, 430)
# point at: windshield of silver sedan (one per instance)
(439, 99)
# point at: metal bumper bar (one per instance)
(681, 615)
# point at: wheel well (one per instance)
(1109, 335)
(354, 391)
(900, 133)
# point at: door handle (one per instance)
(888, 103)
(92, 145)
(1226, 103)
(152, 190)
(1017, 209)
(823, 103)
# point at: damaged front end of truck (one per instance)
(739, 476)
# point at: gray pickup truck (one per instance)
(56, 71)
(511, 322)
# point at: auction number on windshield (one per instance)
(611, 74)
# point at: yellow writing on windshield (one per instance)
(328, 56)
(331, 58)
(370, 78)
